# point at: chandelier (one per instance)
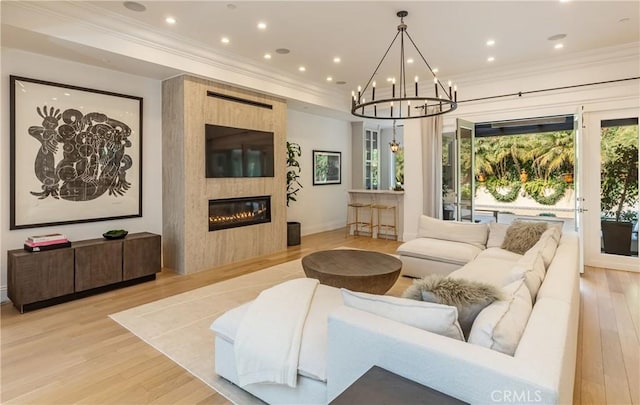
(401, 103)
(394, 145)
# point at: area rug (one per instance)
(178, 326)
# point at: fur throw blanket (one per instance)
(470, 297)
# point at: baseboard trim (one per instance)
(613, 265)
(330, 226)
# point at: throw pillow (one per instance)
(470, 297)
(473, 234)
(501, 325)
(547, 245)
(531, 268)
(436, 318)
(522, 235)
(497, 232)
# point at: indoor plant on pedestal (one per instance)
(293, 186)
(619, 197)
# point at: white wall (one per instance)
(55, 70)
(319, 208)
(595, 66)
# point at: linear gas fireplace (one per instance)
(234, 212)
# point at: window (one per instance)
(371, 159)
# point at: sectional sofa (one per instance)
(335, 353)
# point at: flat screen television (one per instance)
(238, 152)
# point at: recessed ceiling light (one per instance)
(282, 51)
(491, 42)
(341, 82)
(389, 79)
(224, 40)
(170, 20)
(267, 56)
(336, 59)
(134, 6)
(558, 46)
(329, 78)
(302, 69)
(435, 70)
(67, 94)
(262, 25)
(564, 1)
(490, 59)
(557, 37)
(410, 60)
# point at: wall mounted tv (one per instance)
(238, 152)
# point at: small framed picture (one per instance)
(76, 154)
(327, 167)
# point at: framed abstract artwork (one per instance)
(76, 154)
(327, 167)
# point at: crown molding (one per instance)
(120, 34)
(556, 64)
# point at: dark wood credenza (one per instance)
(39, 279)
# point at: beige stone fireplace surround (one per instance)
(188, 103)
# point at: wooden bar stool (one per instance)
(379, 225)
(358, 217)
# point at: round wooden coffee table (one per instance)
(356, 270)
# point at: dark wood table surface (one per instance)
(381, 387)
(356, 270)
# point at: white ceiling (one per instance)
(450, 34)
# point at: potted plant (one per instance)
(293, 186)
(619, 196)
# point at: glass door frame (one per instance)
(463, 126)
(591, 183)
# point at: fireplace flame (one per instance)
(239, 216)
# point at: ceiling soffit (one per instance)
(114, 33)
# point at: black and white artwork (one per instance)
(75, 154)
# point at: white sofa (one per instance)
(540, 371)
(443, 246)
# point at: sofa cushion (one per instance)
(473, 234)
(497, 233)
(436, 318)
(439, 250)
(547, 245)
(470, 297)
(226, 325)
(312, 361)
(531, 268)
(495, 272)
(500, 325)
(522, 235)
(499, 253)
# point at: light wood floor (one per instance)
(74, 353)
